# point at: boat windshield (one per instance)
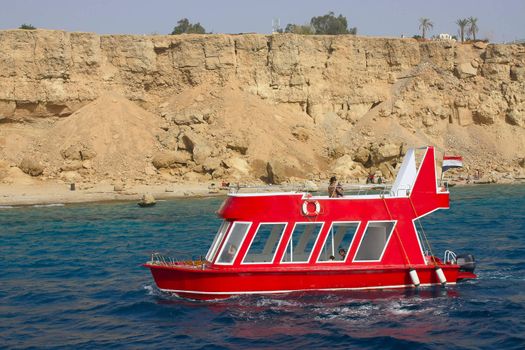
(217, 240)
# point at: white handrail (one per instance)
(450, 256)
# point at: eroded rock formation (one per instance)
(248, 107)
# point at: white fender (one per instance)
(441, 275)
(414, 277)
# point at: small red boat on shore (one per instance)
(293, 241)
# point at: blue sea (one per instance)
(71, 277)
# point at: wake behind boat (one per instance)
(290, 241)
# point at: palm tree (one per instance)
(462, 23)
(473, 26)
(424, 25)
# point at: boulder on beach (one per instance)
(147, 200)
(31, 167)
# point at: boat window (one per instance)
(374, 241)
(217, 240)
(233, 243)
(338, 241)
(302, 242)
(264, 244)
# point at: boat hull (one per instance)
(215, 284)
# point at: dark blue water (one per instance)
(70, 277)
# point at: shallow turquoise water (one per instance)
(70, 276)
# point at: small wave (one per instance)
(151, 290)
(277, 303)
(48, 205)
(497, 275)
(6, 207)
(346, 312)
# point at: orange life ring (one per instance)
(306, 209)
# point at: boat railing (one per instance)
(349, 189)
(450, 257)
(367, 189)
(239, 188)
(180, 259)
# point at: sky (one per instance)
(498, 20)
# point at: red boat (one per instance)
(293, 241)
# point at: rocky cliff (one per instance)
(242, 107)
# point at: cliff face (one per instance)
(331, 96)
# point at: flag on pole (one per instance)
(450, 162)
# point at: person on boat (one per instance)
(335, 189)
(232, 249)
(370, 179)
(342, 253)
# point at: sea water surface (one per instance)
(71, 277)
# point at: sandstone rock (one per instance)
(387, 152)
(170, 159)
(118, 188)
(460, 102)
(517, 73)
(345, 168)
(238, 145)
(464, 116)
(147, 200)
(403, 148)
(198, 169)
(337, 151)
(87, 164)
(276, 172)
(362, 155)
(201, 153)
(211, 164)
(72, 153)
(480, 45)
(218, 173)
(465, 70)
(300, 133)
(237, 165)
(192, 139)
(387, 170)
(192, 177)
(168, 140)
(72, 166)
(385, 113)
(31, 167)
(87, 153)
(487, 112)
(496, 71)
(187, 118)
(78, 152)
(516, 117)
(521, 162)
(484, 116)
(428, 120)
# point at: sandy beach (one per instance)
(55, 193)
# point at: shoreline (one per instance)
(13, 195)
(52, 193)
